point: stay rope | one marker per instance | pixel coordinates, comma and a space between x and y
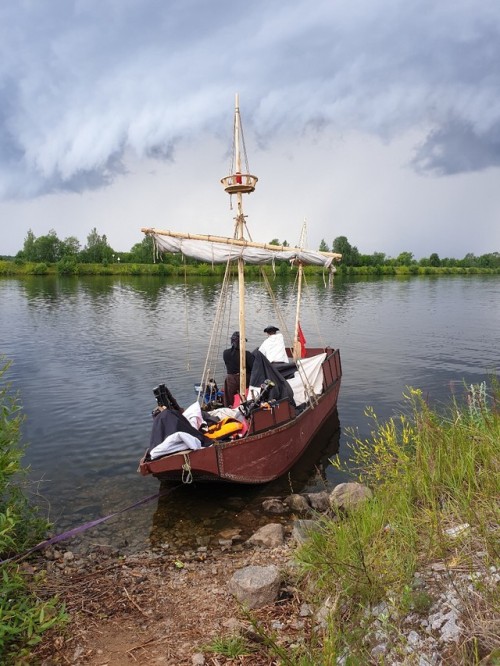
222, 315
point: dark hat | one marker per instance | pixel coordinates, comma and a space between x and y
236, 337
271, 329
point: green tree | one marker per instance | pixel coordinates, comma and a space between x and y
323, 247
47, 249
378, 259
70, 247
434, 260
97, 249
350, 253
491, 260
405, 259
28, 250
143, 252
469, 261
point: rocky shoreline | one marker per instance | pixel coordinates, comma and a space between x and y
166, 608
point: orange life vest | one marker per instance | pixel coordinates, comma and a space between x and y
223, 428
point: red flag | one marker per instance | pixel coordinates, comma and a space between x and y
302, 341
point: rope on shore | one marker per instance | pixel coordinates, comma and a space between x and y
69, 534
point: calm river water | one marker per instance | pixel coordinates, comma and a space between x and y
87, 353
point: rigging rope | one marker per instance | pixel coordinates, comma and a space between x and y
308, 388
221, 316
186, 318
313, 312
187, 475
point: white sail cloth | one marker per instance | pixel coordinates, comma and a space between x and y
214, 252
177, 441
307, 380
308, 369
181, 441
274, 349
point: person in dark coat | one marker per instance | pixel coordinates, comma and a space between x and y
231, 358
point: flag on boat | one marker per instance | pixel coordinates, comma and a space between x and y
302, 341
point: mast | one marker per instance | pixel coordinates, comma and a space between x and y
296, 343
240, 183
240, 220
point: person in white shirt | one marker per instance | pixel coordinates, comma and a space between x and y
273, 346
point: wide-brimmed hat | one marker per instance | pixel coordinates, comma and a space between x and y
271, 329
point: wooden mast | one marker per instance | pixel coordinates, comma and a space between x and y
296, 344
240, 220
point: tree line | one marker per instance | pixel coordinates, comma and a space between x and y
352, 257
67, 253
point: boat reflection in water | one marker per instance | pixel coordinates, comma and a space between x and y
192, 515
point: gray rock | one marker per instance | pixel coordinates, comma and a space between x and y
457, 530
302, 529
450, 631
305, 610
274, 505
349, 495
379, 651
319, 501
255, 586
298, 503
198, 659
324, 613
413, 639
270, 536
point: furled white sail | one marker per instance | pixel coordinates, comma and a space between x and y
214, 249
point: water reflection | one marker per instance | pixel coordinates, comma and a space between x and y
87, 352
188, 516
47, 289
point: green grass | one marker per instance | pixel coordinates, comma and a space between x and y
231, 646
429, 472
24, 616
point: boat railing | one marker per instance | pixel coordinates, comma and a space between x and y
332, 367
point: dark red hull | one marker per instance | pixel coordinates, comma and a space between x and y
277, 439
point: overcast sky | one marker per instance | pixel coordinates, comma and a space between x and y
378, 120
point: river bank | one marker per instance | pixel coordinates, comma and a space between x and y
176, 608
408, 575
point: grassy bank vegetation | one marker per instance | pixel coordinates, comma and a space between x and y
436, 483
23, 615
68, 267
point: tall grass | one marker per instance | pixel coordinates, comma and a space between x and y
430, 473
23, 615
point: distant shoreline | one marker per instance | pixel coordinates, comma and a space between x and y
13, 268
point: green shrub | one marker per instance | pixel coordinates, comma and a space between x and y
430, 471
41, 269
67, 266
23, 615
7, 268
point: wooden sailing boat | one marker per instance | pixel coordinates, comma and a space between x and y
275, 432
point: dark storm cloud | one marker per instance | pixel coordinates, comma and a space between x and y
457, 148
84, 81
